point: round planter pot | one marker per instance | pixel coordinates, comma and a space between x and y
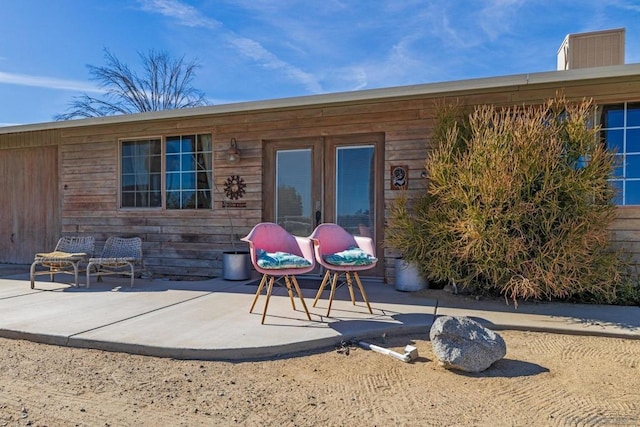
408, 277
236, 265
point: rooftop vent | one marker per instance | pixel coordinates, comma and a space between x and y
595, 49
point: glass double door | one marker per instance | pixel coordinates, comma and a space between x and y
326, 179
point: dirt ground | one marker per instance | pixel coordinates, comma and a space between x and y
545, 379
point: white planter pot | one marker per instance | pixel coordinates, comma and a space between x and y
408, 277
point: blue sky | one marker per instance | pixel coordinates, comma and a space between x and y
264, 49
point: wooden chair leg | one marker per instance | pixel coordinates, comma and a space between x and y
255, 299
287, 282
266, 304
350, 285
322, 286
295, 284
334, 282
364, 294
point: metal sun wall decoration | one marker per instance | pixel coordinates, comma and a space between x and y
234, 187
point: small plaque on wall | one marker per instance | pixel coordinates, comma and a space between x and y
226, 204
399, 177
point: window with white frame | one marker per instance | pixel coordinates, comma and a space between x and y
141, 174
188, 172
620, 130
185, 161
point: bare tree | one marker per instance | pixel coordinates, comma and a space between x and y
165, 85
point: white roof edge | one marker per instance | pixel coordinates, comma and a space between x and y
340, 97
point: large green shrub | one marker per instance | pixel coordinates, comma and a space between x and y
517, 202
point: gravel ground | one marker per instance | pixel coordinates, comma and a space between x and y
545, 379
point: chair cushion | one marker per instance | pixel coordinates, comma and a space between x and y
351, 256
280, 260
59, 255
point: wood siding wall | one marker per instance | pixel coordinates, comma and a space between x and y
190, 242
29, 199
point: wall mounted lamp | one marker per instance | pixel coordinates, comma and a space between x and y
233, 153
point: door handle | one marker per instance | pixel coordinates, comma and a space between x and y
318, 217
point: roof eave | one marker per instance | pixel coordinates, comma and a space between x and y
546, 77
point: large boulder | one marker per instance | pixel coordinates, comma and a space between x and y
464, 344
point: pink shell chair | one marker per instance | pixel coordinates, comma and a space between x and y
272, 238
329, 239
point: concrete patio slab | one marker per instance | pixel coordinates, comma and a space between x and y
211, 320
203, 320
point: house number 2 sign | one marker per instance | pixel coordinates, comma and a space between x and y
399, 177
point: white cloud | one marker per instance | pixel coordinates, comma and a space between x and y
448, 34
252, 49
497, 16
358, 78
345, 79
186, 15
631, 5
47, 82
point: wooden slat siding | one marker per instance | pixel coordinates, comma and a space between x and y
411, 133
197, 253
241, 226
625, 235
627, 212
610, 92
30, 139
84, 188
622, 224
188, 125
29, 202
262, 116
632, 247
625, 232
177, 240
391, 107
314, 123
192, 239
88, 178
400, 149
400, 156
86, 170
